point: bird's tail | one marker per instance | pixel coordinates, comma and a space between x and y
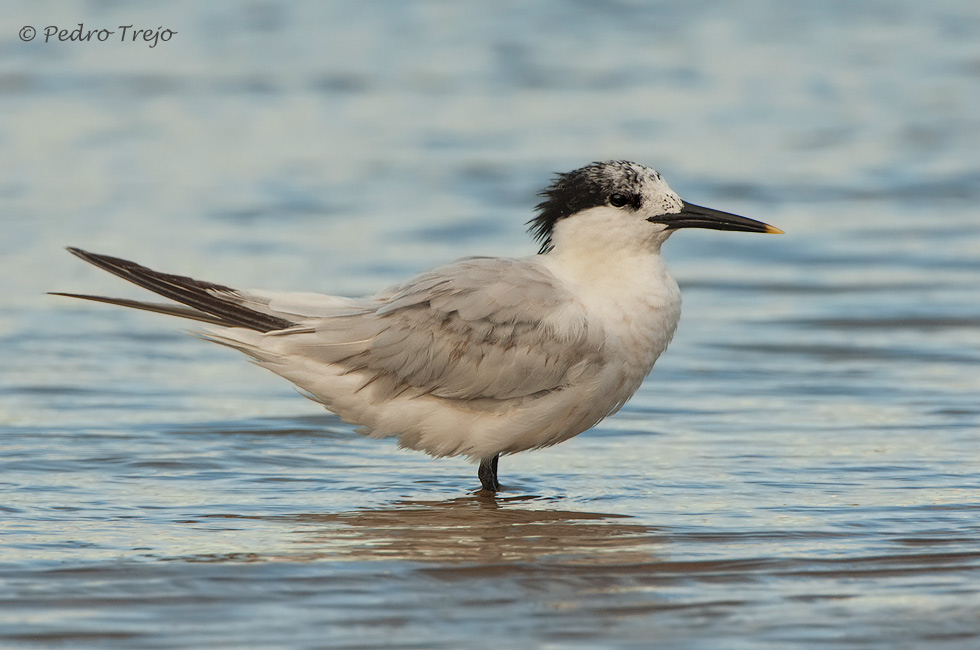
201, 301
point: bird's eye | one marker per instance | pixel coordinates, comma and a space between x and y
618, 200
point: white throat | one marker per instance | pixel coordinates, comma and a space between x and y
620, 280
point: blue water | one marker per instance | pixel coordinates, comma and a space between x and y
800, 471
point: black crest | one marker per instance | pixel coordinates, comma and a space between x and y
581, 189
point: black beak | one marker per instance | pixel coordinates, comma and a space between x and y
696, 216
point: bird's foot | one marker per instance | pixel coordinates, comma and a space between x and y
488, 474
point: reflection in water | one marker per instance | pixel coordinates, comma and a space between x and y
473, 529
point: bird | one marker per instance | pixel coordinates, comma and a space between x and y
484, 356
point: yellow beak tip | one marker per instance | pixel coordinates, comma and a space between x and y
773, 230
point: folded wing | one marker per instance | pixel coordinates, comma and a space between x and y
481, 328
203, 301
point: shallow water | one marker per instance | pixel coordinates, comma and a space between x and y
801, 469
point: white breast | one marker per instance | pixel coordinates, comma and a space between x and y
633, 298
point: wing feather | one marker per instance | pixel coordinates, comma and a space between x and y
480, 328
477, 329
218, 302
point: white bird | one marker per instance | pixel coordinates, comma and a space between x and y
484, 356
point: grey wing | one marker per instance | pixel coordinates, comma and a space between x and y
481, 328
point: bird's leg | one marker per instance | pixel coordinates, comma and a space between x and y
488, 474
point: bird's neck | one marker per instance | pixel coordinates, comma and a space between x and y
630, 297
627, 281
627, 273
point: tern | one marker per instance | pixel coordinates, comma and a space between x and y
484, 356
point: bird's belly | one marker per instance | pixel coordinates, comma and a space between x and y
484, 428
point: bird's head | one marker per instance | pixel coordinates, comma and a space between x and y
623, 205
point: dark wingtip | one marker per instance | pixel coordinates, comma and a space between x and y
198, 295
